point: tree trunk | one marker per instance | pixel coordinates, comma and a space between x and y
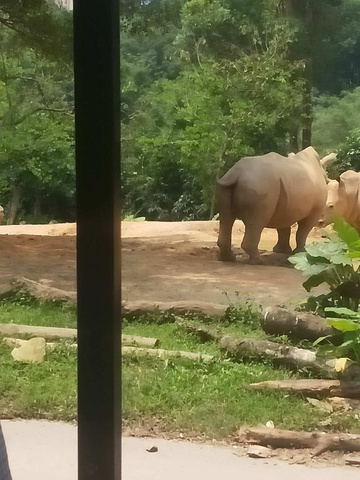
15, 203
312, 387
307, 106
294, 134
213, 205
37, 204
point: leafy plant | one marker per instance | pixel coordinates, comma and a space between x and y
333, 262
348, 323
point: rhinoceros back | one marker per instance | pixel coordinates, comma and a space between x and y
232, 176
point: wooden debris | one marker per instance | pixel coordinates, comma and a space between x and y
319, 441
259, 451
160, 353
279, 321
137, 341
321, 405
313, 387
204, 333
344, 404
351, 459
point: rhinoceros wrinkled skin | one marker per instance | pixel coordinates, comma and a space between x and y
272, 191
343, 200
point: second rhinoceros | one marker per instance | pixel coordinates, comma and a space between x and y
343, 200
272, 191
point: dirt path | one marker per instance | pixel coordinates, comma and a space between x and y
161, 261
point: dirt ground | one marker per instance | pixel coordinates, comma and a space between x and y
161, 261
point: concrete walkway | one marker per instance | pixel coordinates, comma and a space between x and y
40, 450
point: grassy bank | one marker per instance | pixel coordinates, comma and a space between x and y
170, 395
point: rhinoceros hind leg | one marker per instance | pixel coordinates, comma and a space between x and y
283, 244
250, 244
224, 239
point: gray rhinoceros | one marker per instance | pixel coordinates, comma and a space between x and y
343, 200
275, 192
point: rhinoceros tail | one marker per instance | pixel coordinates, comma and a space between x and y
229, 179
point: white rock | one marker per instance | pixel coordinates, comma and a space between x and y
31, 351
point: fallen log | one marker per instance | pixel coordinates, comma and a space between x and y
136, 341
319, 441
69, 333
280, 354
279, 321
239, 349
49, 333
138, 308
312, 387
42, 292
160, 353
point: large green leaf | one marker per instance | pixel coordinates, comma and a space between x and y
343, 324
325, 249
348, 235
343, 311
301, 262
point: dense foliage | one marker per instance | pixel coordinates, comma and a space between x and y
203, 83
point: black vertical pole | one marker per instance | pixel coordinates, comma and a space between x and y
97, 108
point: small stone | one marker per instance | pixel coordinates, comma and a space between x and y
152, 449
258, 451
31, 351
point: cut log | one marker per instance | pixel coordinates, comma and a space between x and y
160, 353
138, 308
49, 333
312, 387
319, 441
279, 321
247, 348
42, 292
239, 349
137, 341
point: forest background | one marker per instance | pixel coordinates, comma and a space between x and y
203, 83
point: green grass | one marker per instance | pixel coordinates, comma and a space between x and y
175, 395
37, 314
45, 390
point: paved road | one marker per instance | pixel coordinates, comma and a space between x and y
40, 450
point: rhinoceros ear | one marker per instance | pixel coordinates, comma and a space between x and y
328, 160
291, 154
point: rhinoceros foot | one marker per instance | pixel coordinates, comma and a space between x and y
282, 249
298, 250
256, 260
226, 257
